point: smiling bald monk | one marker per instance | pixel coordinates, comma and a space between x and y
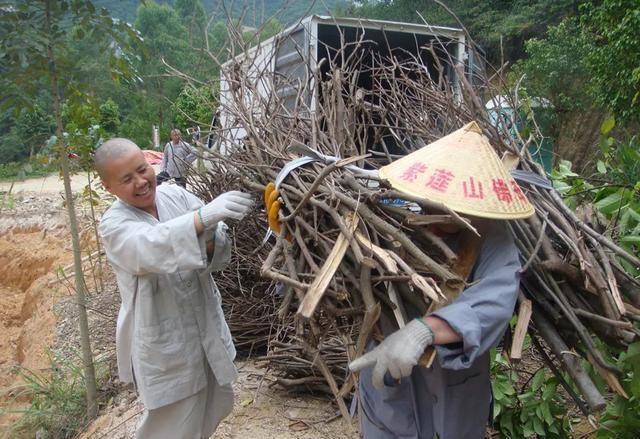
172, 340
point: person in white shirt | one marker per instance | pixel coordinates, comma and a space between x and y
172, 340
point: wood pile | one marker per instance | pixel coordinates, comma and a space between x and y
249, 301
351, 247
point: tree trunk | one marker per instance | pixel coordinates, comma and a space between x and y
87, 356
94, 223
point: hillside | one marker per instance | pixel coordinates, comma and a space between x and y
255, 11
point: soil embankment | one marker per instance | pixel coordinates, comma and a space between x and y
33, 244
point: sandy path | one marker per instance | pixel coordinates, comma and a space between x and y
49, 184
44, 185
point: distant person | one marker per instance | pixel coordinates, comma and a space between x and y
194, 132
178, 155
172, 340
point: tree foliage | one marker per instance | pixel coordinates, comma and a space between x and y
194, 106
614, 27
555, 67
500, 26
35, 46
254, 12
86, 43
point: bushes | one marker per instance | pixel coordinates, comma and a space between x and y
20, 171
58, 401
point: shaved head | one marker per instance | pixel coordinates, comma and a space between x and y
110, 150
125, 173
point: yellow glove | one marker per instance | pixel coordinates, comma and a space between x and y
272, 207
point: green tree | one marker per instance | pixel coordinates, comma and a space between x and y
110, 117
34, 126
556, 67
270, 28
614, 26
166, 39
193, 17
34, 50
24, 135
194, 106
499, 26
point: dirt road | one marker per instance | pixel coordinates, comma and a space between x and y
43, 185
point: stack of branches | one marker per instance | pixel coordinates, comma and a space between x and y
348, 251
248, 300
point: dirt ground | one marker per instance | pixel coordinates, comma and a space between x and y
259, 411
38, 318
33, 244
50, 184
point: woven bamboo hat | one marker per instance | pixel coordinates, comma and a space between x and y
462, 171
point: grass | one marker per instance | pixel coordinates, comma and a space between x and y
58, 400
20, 171
6, 200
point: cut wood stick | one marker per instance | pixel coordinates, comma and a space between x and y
524, 316
432, 205
611, 280
316, 290
581, 378
365, 283
430, 289
398, 311
408, 244
368, 322
598, 318
319, 361
380, 254
595, 235
414, 219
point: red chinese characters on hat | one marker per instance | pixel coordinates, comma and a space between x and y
501, 190
472, 189
440, 180
412, 172
515, 187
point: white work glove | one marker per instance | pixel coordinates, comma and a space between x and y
230, 205
398, 353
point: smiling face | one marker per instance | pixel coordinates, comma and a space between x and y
129, 177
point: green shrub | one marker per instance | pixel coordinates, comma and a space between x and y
621, 418
614, 190
534, 410
58, 400
20, 171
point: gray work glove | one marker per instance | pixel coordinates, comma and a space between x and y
398, 353
230, 205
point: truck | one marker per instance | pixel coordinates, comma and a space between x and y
299, 55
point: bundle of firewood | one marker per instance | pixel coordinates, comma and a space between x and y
249, 301
349, 247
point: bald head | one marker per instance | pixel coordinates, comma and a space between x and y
110, 150
125, 173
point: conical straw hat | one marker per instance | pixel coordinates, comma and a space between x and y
462, 171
